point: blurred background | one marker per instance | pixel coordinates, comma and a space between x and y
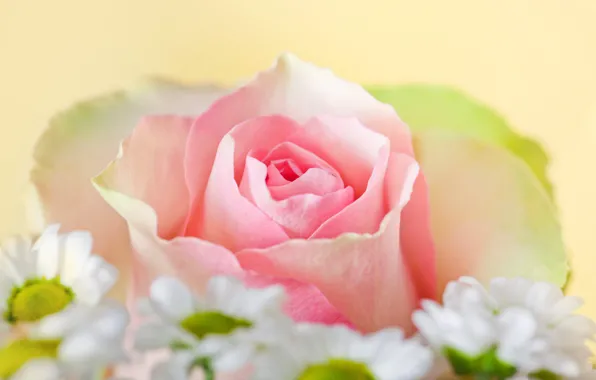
532, 60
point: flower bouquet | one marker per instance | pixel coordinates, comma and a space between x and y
293, 228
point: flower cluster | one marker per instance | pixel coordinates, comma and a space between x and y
58, 324
517, 327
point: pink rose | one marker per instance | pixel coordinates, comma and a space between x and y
298, 178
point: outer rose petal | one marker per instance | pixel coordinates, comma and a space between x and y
362, 275
81, 141
417, 242
193, 260
150, 168
491, 217
298, 90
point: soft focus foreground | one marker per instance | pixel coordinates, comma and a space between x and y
517, 328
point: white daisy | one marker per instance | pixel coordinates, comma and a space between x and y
337, 352
78, 341
227, 325
518, 325
39, 280
546, 301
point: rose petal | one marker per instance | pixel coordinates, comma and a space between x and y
305, 302
151, 164
346, 144
192, 260
417, 241
315, 181
362, 275
302, 157
298, 90
366, 213
81, 141
230, 219
258, 134
490, 215
318, 176
274, 177
299, 215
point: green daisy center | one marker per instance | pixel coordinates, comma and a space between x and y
212, 322
19, 352
337, 369
36, 299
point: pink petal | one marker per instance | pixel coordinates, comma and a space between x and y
288, 169
315, 181
299, 215
261, 134
319, 177
305, 302
258, 134
232, 220
417, 241
298, 90
363, 275
303, 158
193, 260
274, 177
151, 169
365, 214
345, 144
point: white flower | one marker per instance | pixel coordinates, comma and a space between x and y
546, 301
470, 333
78, 341
39, 280
228, 324
337, 352
523, 325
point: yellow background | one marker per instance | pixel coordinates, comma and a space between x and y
535, 61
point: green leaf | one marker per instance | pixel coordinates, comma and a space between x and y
431, 107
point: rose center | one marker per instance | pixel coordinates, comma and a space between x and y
336, 369
212, 322
288, 169
37, 299
17, 353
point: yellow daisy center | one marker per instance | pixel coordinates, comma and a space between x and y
212, 322
336, 369
36, 299
17, 353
